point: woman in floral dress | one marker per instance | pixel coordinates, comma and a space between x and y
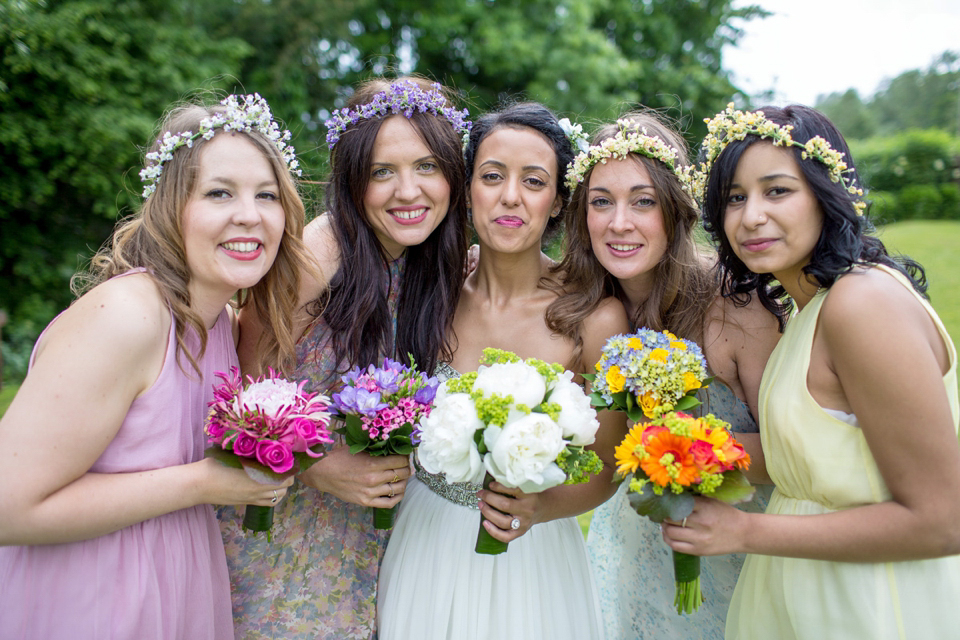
391, 250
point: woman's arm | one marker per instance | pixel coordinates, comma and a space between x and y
567, 500
887, 361
737, 343
322, 247
101, 354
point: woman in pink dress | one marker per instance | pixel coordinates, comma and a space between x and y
105, 513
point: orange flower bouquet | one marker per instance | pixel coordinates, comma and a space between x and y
671, 459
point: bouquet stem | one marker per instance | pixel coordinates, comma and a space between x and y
686, 572
257, 518
486, 543
383, 518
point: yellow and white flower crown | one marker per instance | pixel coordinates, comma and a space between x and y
730, 125
627, 140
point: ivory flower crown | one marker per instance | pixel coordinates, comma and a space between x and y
243, 113
730, 125
403, 97
627, 140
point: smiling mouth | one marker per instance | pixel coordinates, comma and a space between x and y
409, 215
241, 247
624, 247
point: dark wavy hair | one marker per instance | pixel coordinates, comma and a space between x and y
527, 115
844, 241
685, 285
355, 304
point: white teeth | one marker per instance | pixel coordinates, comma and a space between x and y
242, 247
409, 215
624, 247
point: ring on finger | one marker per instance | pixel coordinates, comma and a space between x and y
390, 484
396, 477
275, 497
515, 523
684, 523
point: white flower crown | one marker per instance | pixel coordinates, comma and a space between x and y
403, 97
252, 113
627, 140
730, 125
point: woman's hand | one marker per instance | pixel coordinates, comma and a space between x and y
228, 485
370, 481
714, 528
503, 507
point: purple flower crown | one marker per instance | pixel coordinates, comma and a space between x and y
404, 97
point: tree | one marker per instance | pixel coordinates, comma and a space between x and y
82, 85
849, 113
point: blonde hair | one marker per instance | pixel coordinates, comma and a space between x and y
153, 239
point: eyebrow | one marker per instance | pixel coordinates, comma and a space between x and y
417, 161
636, 187
769, 178
529, 167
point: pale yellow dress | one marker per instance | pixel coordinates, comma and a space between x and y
820, 462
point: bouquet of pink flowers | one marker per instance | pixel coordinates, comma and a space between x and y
380, 407
271, 428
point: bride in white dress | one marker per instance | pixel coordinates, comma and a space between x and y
432, 584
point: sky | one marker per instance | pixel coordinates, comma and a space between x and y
812, 47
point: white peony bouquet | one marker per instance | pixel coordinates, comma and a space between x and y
524, 424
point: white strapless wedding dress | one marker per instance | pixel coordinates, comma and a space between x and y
434, 586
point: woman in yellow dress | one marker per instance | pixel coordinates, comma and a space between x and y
858, 402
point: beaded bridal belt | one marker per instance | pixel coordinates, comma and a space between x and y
461, 493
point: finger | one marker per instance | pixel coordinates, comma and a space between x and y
497, 518
503, 504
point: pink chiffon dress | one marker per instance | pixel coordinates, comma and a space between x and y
159, 579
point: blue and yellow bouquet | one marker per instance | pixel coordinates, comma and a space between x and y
648, 373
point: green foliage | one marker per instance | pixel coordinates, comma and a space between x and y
81, 86
82, 83
920, 202
926, 156
916, 99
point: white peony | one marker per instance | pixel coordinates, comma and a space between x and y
270, 396
446, 439
517, 379
523, 453
577, 418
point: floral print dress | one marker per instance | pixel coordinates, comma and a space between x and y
317, 578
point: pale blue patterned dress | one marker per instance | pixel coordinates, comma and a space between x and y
633, 567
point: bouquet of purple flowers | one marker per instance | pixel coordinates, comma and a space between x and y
271, 428
380, 407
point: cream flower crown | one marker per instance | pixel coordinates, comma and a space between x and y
730, 125
252, 113
403, 97
618, 147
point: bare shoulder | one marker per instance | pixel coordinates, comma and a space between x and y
116, 331
609, 318
869, 298
319, 238
128, 312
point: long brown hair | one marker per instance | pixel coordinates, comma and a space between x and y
153, 239
684, 284
355, 304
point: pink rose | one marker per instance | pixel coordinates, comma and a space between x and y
245, 445
276, 455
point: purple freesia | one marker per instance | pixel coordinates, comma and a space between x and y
358, 400
426, 394
387, 380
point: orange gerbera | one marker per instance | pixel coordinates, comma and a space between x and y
670, 460
626, 452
